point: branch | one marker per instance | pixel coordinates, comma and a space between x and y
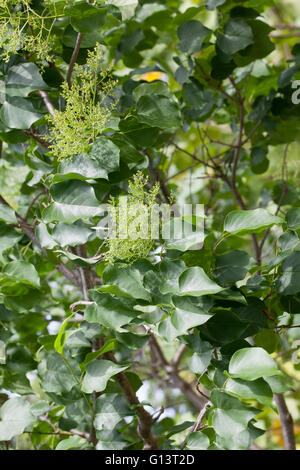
145, 419
37, 137
31, 235
209, 80
197, 401
32, 203
159, 179
80, 302
74, 58
178, 355
47, 102
197, 424
286, 420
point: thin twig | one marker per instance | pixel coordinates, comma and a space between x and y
32, 203
74, 58
197, 424
47, 102
80, 302
286, 420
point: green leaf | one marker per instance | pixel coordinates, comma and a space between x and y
73, 442
110, 311
279, 384
154, 88
103, 159
212, 4
224, 328
44, 237
189, 312
251, 364
293, 218
256, 390
24, 78
289, 281
55, 374
85, 18
79, 260
2, 352
73, 200
231, 419
232, 266
7, 214
98, 374
158, 111
259, 162
237, 35
18, 113
239, 222
110, 410
71, 235
22, 271
127, 280
15, 416
195, 282
126, 7
8, 237
197, 441
108, 346
192, 34
183, 238
60, 339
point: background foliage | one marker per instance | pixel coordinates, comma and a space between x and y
180, 348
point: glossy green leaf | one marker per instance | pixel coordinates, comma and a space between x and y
22, 271
73, 200
60, 339
251, 364
293, 218
102, 160
7, 214
15, 416
197, 441
289, 281
232, 266
98, 374
24, 78
158, 111
18, 113
110, 311
110, 410
191, 35
126, 280
240, 222
194, 281
256, 390
73, 442
237, 35
71, 235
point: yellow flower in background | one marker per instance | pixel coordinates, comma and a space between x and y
151, 76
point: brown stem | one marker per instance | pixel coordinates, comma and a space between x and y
74, 58
210, 81
31, 235
144, 418
197, 424
286, 420
47, 102
197, 401
32, 203
37, 137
